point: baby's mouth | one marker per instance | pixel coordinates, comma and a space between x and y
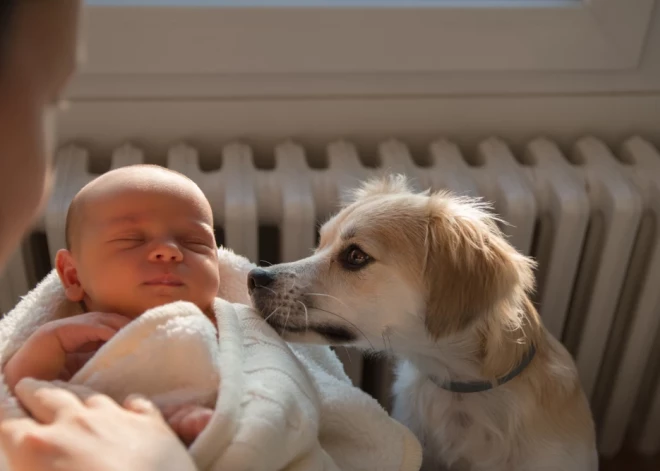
165, 280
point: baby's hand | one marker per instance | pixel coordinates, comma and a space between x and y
59, 344
188, 421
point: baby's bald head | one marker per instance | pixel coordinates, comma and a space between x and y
135, 178
139, 237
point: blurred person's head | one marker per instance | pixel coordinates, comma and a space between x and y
38, 43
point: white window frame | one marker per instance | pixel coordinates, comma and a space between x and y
161, 74
334, 36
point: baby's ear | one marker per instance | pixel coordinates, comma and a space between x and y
68, 273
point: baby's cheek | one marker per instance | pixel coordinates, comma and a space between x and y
120, 294
204, 294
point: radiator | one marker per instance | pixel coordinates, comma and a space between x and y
588, 214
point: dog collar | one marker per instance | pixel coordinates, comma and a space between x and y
480, 386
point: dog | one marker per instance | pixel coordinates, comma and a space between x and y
431, 279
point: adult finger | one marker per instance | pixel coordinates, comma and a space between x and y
26, 445
82, 392
13, 433
99, 400
44, 401
140, 404
87, 396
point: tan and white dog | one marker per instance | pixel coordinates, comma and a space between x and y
431, 279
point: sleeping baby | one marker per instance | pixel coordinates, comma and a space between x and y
137, 237
142, 301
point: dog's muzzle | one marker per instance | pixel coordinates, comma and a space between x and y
279, 300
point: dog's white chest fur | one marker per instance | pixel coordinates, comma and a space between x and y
457, 434
477, 432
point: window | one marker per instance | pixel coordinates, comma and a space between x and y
218, 70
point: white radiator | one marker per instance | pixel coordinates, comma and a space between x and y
590, 217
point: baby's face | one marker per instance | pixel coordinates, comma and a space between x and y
145, 247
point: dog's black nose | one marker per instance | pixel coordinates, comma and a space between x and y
259, 278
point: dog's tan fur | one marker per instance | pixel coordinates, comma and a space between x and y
448, 295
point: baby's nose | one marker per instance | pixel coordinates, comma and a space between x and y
166, 253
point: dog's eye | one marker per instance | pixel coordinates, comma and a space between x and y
354, 258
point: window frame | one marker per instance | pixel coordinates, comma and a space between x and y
221, 38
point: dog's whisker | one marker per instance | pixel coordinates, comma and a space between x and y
347, 321
271, 314
306, 314
348, 354
329, 296
266, 262
387, 343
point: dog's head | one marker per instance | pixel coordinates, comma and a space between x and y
394, 270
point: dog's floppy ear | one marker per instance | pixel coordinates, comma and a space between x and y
391, 184
470, 267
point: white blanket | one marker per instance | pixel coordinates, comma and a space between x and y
276, 406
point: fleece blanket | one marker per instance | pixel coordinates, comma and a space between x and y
276, 406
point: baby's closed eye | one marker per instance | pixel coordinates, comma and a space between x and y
128, 240
201, 242
195, 242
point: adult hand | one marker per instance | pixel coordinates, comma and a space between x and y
88, 431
